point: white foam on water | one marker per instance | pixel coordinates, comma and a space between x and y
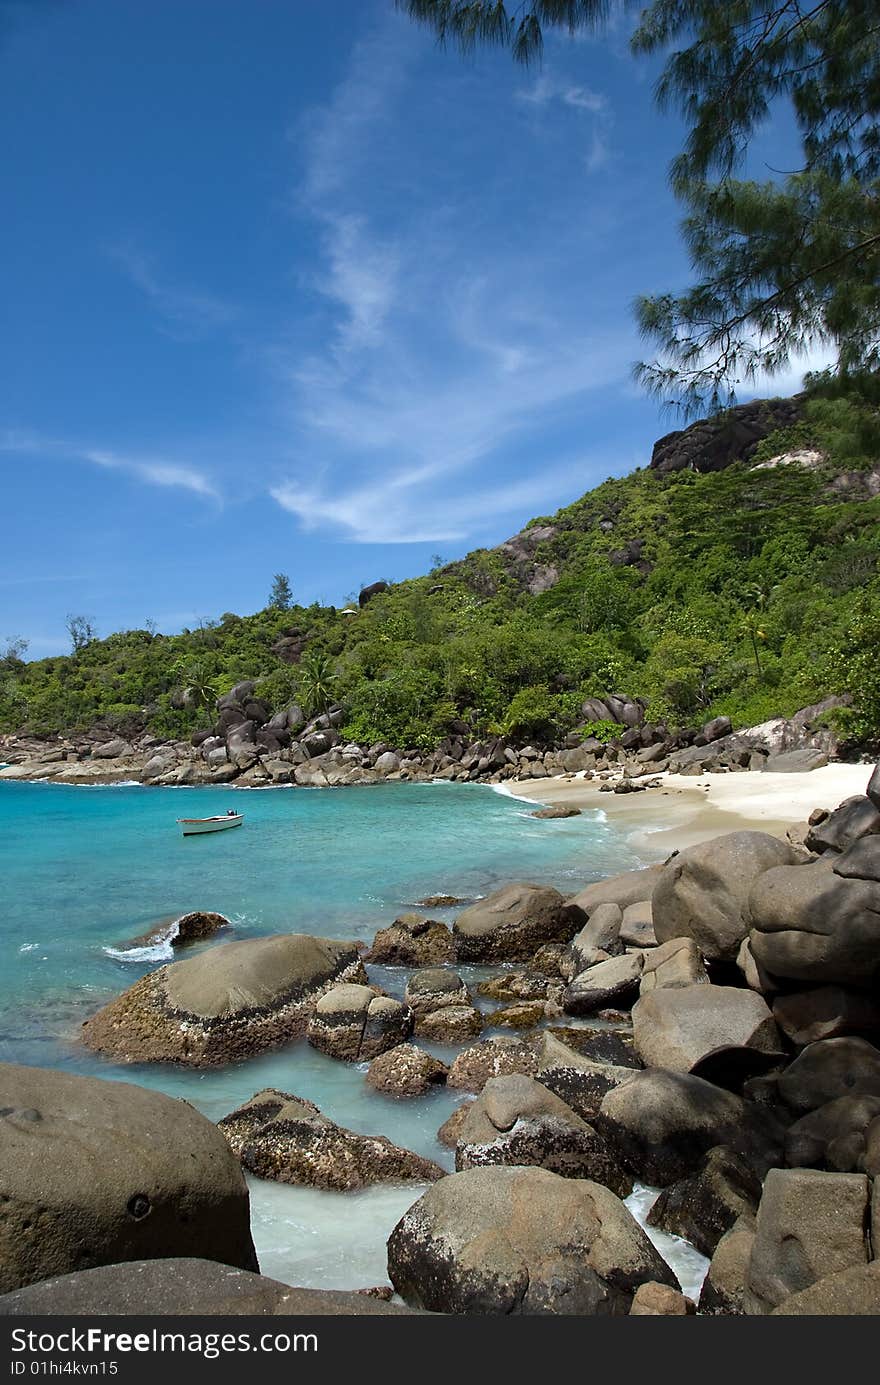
159, 950
119, 784
326, 1240
29, 947
686, 1263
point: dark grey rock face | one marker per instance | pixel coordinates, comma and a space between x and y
183, 1287
95, 1172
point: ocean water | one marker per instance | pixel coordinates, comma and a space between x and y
87, 870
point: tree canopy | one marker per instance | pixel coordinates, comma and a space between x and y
281, 594
778, 265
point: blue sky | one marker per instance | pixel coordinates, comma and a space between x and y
288, 288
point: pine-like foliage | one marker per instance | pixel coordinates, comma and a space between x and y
778, 266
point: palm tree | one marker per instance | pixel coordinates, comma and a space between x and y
198, 689
756, 596
316, 680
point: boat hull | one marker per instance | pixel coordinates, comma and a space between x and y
196, 827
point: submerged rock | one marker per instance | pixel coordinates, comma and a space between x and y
412, 941
97, 1172
188, 928
406, 1071
494, 1057
441, 1005
224, 1005
286, 1138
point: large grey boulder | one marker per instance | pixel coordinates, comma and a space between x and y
825, 1012
612, 983
224, 1005
809, 1225
512, 923
182, 1287
680, 1027
521, 1241
94, 1172
111, 750
283, 1137
598, 940
854, 1292
836, 1136
811, 924
637, 928
674, 964
630, 887
724, 1288
703, 892
861, 861
829, 1069
857, 817
517, 1120
663, 1123
795, 761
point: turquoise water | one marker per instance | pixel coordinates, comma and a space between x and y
86, 870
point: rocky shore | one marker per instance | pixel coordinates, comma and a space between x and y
251, 746
707, 1027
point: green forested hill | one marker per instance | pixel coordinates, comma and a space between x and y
749, 591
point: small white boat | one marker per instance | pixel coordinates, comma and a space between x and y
191, 827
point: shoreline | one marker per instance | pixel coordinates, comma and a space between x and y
693, 809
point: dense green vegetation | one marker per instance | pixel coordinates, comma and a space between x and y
755, 591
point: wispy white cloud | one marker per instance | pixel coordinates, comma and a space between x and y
551, 87
438, 344
153, 471
393, 512
185, 312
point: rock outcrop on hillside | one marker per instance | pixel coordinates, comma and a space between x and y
712, 444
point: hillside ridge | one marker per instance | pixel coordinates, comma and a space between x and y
712, 583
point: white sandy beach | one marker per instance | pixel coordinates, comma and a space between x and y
687, 809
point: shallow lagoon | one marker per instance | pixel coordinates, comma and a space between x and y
85, 870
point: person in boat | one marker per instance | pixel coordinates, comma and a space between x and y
231, 813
